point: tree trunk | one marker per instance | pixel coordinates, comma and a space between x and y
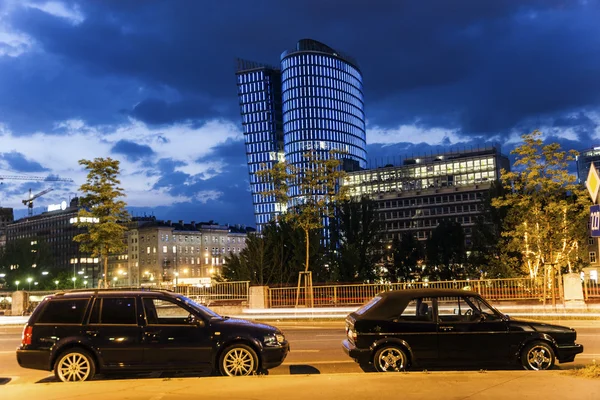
307, 249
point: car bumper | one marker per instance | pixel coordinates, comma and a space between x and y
568, 353
273, 356
34, 359
361, 356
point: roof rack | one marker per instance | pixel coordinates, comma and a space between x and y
117, 289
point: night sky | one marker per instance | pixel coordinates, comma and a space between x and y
152, 84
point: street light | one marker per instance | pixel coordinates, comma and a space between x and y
45, 273
17, 283
74, 279
85, 283
29, 281
56, 283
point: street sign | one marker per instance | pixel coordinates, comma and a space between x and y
595, 220
593, 183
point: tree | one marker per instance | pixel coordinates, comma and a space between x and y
102, 212
487, 255
547, 210
446, 251
407, 253
318, 186
356, 246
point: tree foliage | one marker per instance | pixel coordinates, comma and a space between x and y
318, 186
406, 256
547, 210
356, 241
446, 251
102, 211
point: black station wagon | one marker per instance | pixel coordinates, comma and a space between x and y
400, 329
79, 333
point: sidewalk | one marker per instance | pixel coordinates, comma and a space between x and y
497, 385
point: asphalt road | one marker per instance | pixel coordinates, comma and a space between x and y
315, 349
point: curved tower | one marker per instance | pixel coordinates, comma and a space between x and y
322, 105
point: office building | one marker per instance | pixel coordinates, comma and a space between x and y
415, 196
312, 102
584, 161
6, 217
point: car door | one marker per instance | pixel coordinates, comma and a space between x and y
470, 332
174, 336
416, 326
114, 330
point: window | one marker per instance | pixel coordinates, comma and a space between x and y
63, 312
592, 256
590, 240
118, 311
417, 310
164, 312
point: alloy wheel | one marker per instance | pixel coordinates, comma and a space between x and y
239, 362
539, 358
74, 367
391, 359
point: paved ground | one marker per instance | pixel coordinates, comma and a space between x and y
500, 385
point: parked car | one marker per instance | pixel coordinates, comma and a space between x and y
79, 333
401, 329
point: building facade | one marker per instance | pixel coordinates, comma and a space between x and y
54, 231
584, 161
6, 217
166, 253
417, 195
313, 102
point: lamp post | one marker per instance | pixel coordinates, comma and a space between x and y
74, 279
17, 283
176, 267
56, 283
29, 281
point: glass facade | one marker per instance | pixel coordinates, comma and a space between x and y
417, 195
323, 106
259, 93
584, 160
313, 102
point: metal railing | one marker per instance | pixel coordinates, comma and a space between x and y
591, 289
216, 292
356, 294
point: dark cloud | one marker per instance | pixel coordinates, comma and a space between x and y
484, 69
132, 151
19, 163
157, 111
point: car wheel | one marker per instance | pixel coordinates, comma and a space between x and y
238, 360
538, 356
74, 365
390, 359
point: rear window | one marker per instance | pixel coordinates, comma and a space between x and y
63, 312
368, 305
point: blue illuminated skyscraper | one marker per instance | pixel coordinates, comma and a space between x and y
313, 102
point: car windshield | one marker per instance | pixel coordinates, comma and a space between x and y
199, 307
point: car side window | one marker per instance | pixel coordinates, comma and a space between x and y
115, 311
63, 312
417, 310
454, 309
163, 312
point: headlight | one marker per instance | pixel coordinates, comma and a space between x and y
274, 340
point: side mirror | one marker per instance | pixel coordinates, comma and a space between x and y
194, 320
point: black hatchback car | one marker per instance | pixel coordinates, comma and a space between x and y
79, 333
400, 329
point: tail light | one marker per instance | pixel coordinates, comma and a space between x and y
27, 333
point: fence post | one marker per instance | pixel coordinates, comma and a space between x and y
334, 295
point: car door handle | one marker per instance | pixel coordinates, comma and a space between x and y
446, 328
91, 333
152, 335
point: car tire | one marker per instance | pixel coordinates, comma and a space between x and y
537, 356
390, 359
238, 360
74, 365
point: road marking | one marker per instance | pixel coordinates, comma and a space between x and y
305, 351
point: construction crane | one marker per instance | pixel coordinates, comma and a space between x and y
48, 178
29, 202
